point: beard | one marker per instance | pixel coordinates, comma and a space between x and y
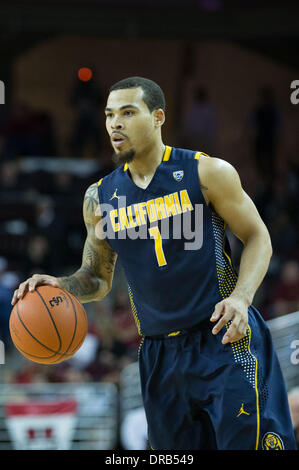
125, 156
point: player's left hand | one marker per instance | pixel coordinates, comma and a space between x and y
232, 309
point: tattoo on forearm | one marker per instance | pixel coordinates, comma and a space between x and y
89, 282
108, 258
93, 280
81, 285
99, 258
91, 257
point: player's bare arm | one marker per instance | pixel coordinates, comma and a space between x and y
223, 192
93, 280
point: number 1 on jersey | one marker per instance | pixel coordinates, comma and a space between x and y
155, 233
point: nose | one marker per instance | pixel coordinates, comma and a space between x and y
116, 124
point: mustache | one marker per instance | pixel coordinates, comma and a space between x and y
119, 133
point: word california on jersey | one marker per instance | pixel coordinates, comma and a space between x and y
171, 245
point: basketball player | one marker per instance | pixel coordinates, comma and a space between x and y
210, 377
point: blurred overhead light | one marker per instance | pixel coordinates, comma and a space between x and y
84, 74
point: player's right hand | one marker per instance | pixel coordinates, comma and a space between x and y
31, 283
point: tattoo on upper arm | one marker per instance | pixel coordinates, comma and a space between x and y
91, 199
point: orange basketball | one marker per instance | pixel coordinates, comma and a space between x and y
48, 325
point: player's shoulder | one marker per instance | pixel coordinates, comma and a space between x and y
219, 178
178, 153
215, 169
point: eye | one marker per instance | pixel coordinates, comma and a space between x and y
128, 113
109, 115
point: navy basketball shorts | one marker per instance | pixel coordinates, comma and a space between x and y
201, 394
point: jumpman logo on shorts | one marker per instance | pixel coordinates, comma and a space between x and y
242, 411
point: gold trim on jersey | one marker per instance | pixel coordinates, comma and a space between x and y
100, 182
256, 394
224, 252
167, 153
227, 279
198, 154
140, 346
243, 356
134, 311
166, 156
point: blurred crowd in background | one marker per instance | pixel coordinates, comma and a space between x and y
42, 229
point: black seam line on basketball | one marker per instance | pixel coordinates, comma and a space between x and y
76, 322
42, 357
59, 338
78, 345
59, 358
39, 342
28, 331
77, 348
84, 314
83, 337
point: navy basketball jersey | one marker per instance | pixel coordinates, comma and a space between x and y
171, 245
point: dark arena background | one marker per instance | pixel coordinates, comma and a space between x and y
230, 71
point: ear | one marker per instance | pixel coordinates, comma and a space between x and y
159, 117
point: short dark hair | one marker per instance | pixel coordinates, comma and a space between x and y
153, 95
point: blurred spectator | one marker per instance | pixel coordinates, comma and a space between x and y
130, 439
10, 180
32, 372
44, 133
284, 236
112, 354
200, 124
47, 219
265, 123
278, 197
53, 225
38, 256
87, 352
44, 213
86, 98
8, 283
27, 132
126, 330
106, 367
74, 375
15, 130
63, 185
286, 293
103, 324
277, 205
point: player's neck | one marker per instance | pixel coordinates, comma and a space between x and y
146, 162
